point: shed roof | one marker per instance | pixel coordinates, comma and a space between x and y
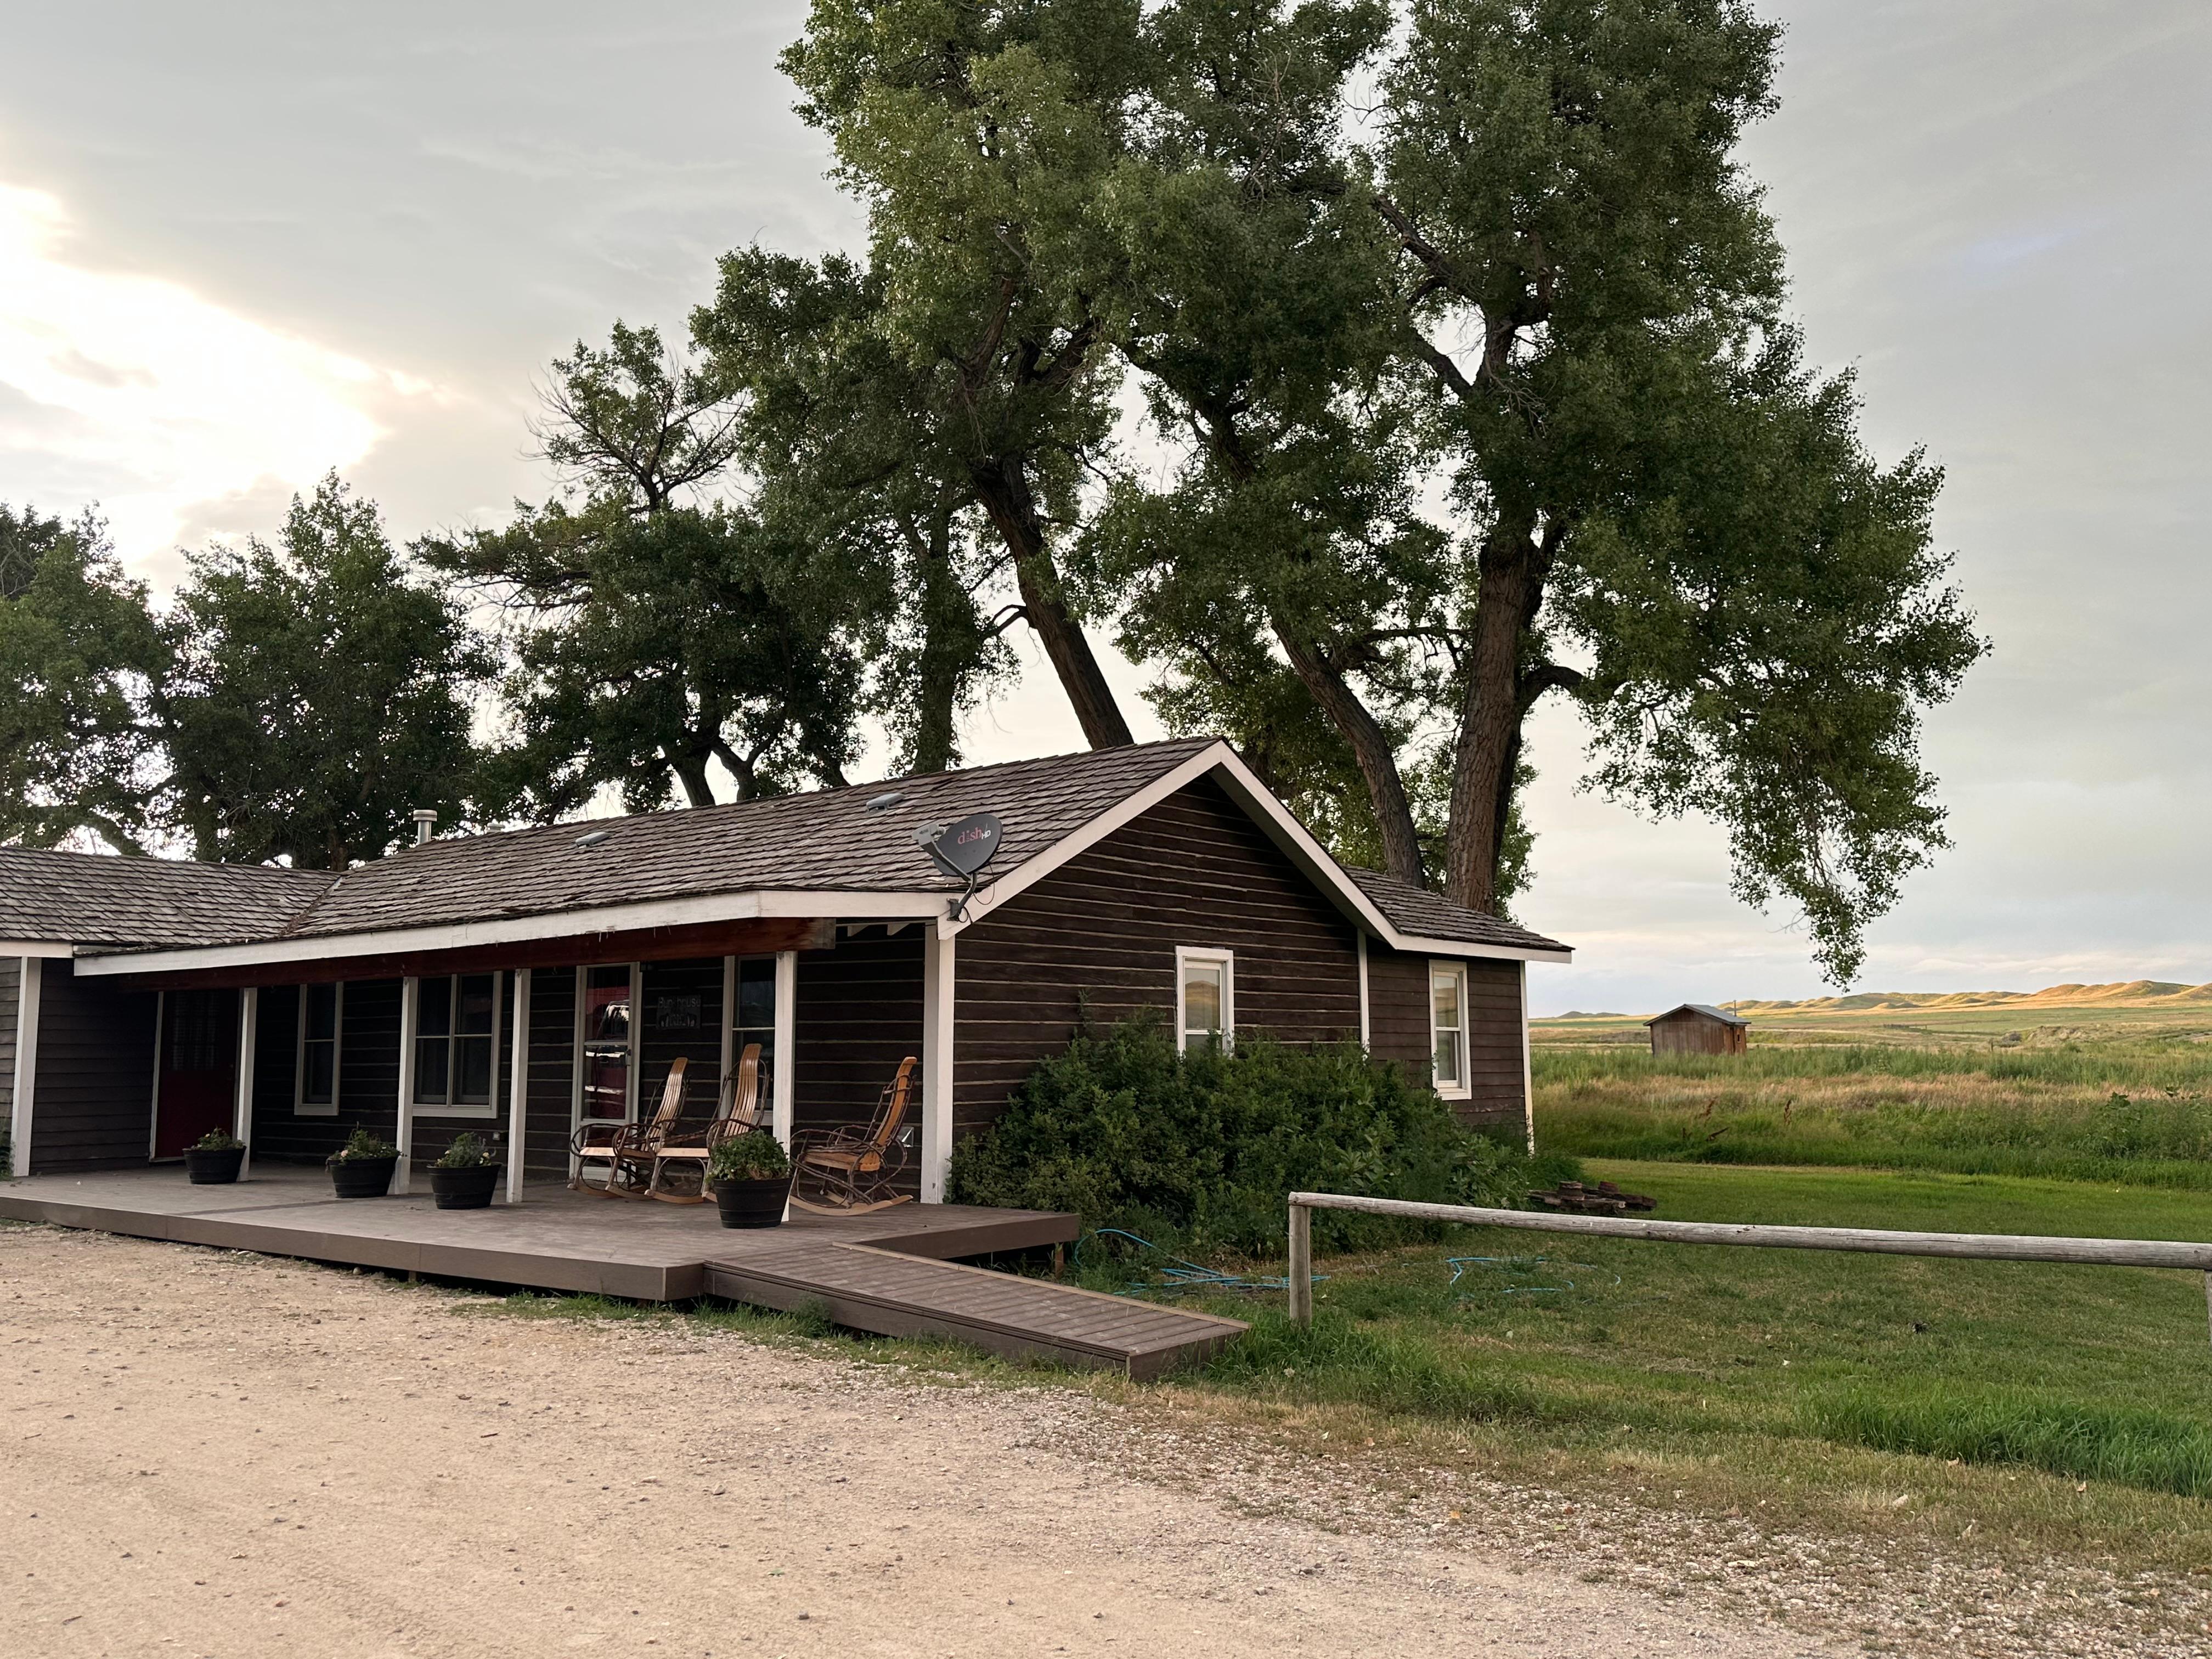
1705, 1008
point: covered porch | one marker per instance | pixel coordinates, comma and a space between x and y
526, 1043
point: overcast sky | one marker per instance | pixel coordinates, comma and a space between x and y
242, 244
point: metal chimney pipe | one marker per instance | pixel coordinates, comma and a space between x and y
426, 820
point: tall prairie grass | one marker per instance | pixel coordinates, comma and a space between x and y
2133, 1113
2129, 1445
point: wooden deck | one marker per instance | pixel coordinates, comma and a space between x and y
889, 1273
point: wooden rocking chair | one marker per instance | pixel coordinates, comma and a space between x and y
740, 1112
850, 1172
627, 1151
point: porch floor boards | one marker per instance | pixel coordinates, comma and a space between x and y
885, 1273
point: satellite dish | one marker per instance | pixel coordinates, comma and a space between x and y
964, 848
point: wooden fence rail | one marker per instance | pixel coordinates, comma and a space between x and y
1986, 1247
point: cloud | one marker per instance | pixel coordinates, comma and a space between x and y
134, 390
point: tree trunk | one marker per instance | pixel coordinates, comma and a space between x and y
1488, 740
1003, 490
1370, 748
946, 613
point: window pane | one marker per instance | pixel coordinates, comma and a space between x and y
475, 1003
432, 1057
322, 1012
1447, 1057
606, 1006
756, 993
1202, 996
317, 1087
474, 1062
1446, 989
606, 1083
434, 1008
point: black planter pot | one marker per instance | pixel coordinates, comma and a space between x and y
465, 1189
213, 1169
363, 1177
752, 1203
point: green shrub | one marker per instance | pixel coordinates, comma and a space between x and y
468, 1152
755, 1155
218, 1140
1200, 1149
362, 1146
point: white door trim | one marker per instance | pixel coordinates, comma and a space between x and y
249, 1025
22, 1103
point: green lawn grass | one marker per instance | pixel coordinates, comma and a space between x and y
1806, 1382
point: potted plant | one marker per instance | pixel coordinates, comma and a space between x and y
464, 1177
750, 1175
214, 1159
362, 1167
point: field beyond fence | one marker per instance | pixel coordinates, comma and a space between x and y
2084, 1095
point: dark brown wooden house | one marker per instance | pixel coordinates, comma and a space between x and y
522, 983
1698, 1028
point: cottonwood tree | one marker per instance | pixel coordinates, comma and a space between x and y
1549, 288
846, 452
977, 136
658, 631
314, 694
78, 652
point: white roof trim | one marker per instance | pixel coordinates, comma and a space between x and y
17, 947
514, 930
1295, 840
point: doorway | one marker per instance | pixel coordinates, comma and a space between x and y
199, 1082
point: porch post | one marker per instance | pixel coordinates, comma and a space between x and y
403, 1130
1364, 1040
518, 1086
249, 1023
27, 1064
1527, 1085
783, 1076
937, 981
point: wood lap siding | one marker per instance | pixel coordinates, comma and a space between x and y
549, 1110
368, 1073
659, 1045
11, 987
92, 1101
1397, 1029
1099, 934
859, 1015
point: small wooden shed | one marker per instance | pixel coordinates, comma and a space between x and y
1698, 1028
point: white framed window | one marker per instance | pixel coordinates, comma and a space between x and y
606, 1072
457, 1045
315, 1076
1205, 998
1448, 1029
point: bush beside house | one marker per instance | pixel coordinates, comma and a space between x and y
1198, 1150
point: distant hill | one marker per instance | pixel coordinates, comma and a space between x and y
2126, 993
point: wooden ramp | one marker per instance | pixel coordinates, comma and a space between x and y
895, 1295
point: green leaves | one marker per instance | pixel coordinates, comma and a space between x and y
316, 694
78, 649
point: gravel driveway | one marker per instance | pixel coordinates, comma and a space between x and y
204, 1453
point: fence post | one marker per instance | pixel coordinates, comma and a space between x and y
1300, 1265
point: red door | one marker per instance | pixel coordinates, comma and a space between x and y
199, 1069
